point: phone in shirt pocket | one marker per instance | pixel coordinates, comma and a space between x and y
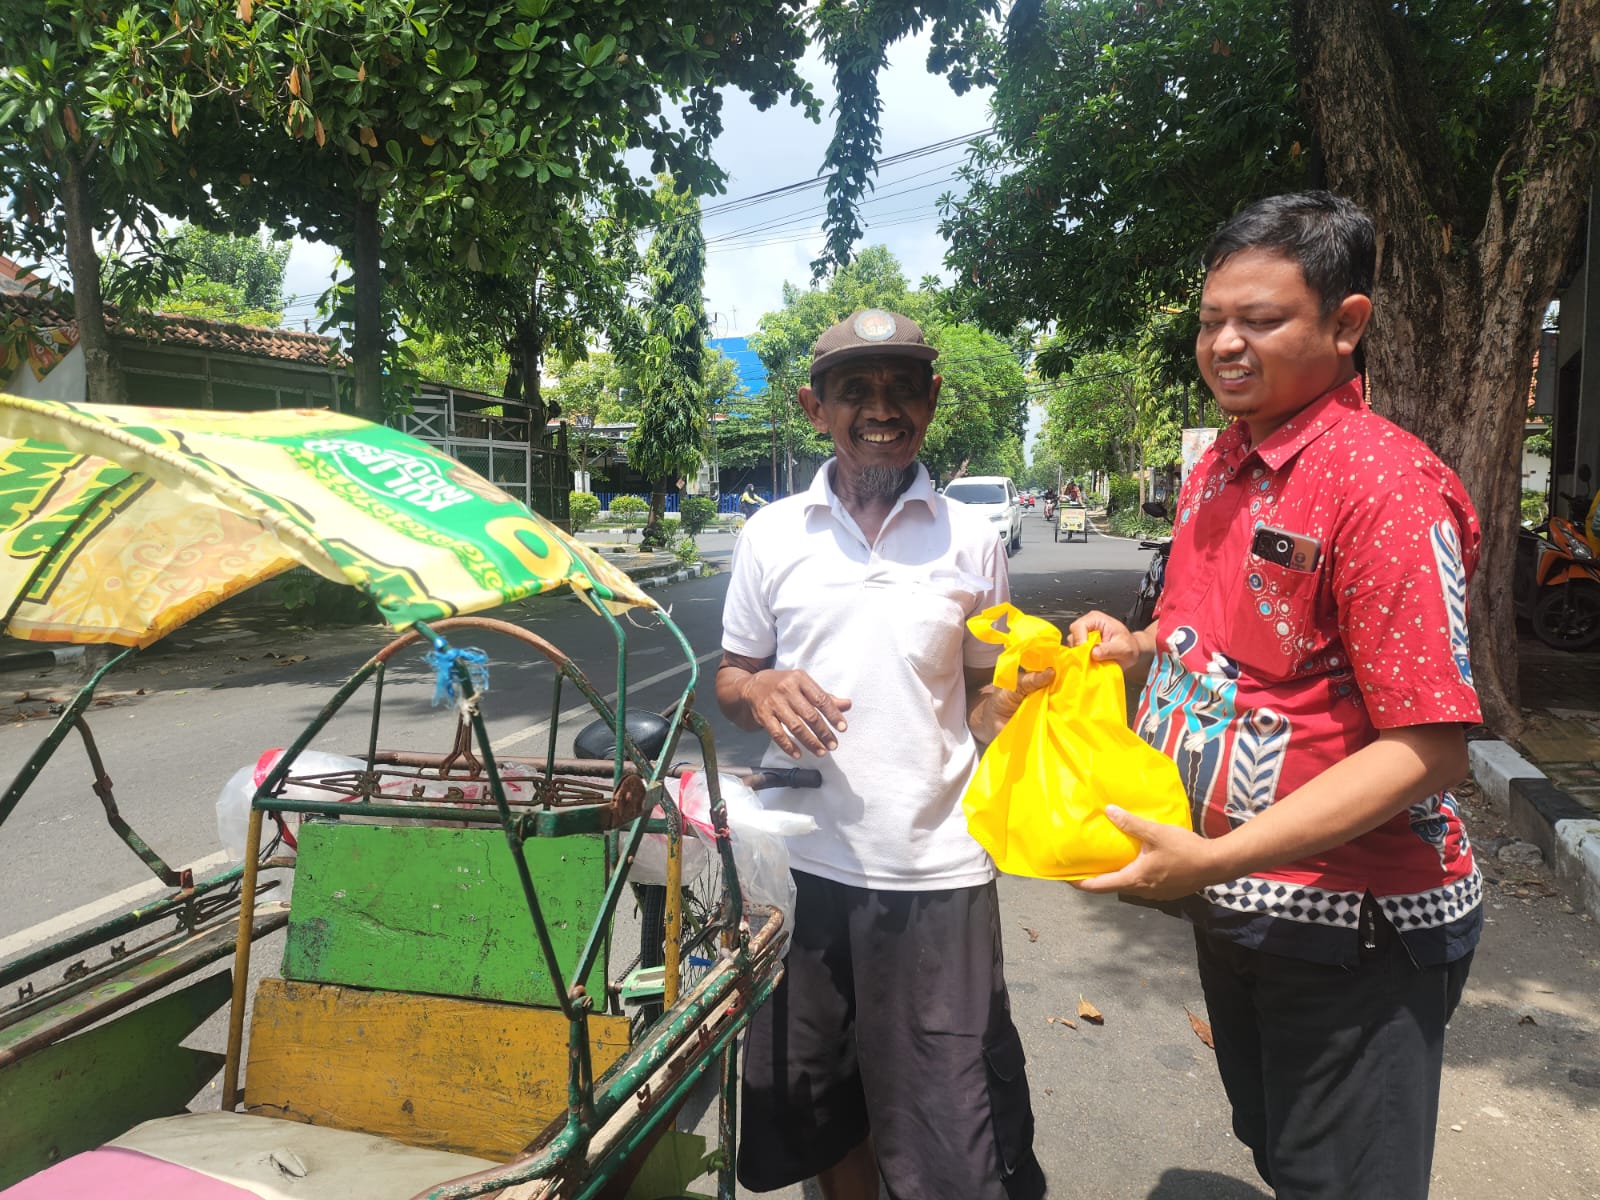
1293, 550
1273, 625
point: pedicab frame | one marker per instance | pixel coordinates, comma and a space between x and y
1071, 519
207, 458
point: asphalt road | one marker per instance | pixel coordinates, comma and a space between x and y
1127, 1110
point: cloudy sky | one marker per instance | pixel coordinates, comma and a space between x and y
752, 251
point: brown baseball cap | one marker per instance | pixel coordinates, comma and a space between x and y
866, 333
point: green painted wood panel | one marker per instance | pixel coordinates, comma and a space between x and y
412, 908
81, 1092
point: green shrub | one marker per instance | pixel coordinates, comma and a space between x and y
688, 553
697, 512
583, 510
1533, 507
629, 508
1124, 494
312, 600
1130, 522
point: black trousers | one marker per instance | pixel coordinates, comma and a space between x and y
892, 1019
1333, 1072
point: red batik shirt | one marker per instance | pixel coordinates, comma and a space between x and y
1268, 674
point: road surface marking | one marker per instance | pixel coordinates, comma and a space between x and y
578, 710
18, 942
56, 926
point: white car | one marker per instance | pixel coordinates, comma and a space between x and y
996, 497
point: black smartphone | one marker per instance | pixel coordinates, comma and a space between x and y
1293, 550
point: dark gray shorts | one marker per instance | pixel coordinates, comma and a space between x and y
892, 1020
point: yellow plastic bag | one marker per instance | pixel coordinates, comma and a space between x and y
1037, 803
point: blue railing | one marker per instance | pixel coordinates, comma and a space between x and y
727, 503
607, 497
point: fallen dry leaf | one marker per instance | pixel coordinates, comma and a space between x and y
1089, 1012
1202, 1030
1061, 1021
287, 659
1033, 934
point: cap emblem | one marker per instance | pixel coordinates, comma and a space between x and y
874, 325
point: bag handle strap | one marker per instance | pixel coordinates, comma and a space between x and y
1028, 643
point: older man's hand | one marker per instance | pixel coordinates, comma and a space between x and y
795, 711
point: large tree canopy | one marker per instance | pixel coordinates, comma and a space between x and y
1126, 131
453, 138
984, 398
1123, 133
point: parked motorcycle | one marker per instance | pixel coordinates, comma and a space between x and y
1556, 585
1155, 575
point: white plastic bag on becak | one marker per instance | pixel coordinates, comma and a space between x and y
760, 838
233, 803
650, 863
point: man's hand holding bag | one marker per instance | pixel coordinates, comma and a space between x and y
1037, 803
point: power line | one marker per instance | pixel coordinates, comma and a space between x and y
816, 181
779, 225
812, 234
813, 210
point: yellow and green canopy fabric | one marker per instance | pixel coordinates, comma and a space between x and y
118, 524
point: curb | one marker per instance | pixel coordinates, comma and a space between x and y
678, 576
36, 658
1538, 811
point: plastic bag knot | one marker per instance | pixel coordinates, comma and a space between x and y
443, 659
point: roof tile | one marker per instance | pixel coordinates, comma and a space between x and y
285, 345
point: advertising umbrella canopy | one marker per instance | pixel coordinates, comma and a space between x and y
119, 524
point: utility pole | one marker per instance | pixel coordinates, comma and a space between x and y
772, 415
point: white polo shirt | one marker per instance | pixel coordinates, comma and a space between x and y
884, 625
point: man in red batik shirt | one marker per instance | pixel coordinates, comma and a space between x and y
1311, 680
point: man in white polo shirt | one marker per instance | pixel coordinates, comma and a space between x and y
889, 1045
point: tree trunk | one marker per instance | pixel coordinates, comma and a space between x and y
527, 352
369, 335
1457, 315
104, 382
654, 534
528, 357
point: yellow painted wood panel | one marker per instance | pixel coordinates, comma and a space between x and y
470, 1076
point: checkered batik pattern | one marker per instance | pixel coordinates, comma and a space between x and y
1274, 898
1441, 906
